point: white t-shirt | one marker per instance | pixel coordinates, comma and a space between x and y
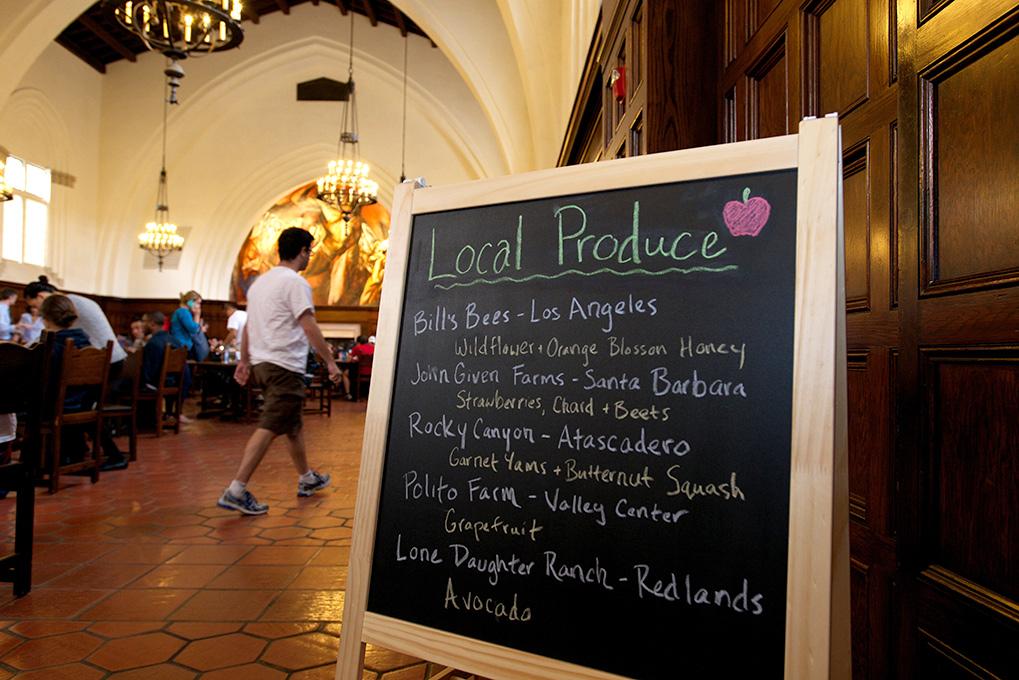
93, 321
276, 300
236, 322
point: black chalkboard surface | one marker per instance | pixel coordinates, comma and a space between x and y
588, 452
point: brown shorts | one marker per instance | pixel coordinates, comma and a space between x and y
283, 392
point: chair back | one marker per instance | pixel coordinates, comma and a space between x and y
133, 371
364, 366
85, 369
174, 361
22, 373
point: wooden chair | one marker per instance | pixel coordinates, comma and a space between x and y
27, 369
127, 410
321, 389
170, 389
363, 378
85, 369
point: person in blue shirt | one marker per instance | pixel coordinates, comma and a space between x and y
8, 297
186, 322
58, 315
155, 346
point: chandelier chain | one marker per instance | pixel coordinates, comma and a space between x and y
346, 185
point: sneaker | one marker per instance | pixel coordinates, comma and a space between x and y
308, 488
246, 504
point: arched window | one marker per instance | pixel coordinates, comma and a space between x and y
25, 219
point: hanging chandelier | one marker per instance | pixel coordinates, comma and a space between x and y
160, 236
5, 190
346, 185
182, 28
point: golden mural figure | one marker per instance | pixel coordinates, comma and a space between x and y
348, 259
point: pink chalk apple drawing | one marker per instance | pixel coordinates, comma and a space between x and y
746, 218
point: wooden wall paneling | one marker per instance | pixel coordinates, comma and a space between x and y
871, 437
734, 30
859, 587
122, 311
837, 34
893, 214
759, 11
928, 8
891, 33
582, 142
958, 387
682, 81
856, 190
970, 141
769, 92
860, 432
971, 527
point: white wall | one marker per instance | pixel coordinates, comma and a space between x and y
53, 119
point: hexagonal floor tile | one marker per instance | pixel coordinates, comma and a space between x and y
220, 652
134, 652
303, 651
54, 650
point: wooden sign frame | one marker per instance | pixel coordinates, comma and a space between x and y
817, 594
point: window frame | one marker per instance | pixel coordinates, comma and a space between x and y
20, 190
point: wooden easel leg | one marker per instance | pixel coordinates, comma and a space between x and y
345, 670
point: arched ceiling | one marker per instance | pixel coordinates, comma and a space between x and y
508, 53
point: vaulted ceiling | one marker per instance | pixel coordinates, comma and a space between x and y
97, 38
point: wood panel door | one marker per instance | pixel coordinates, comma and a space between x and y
795, 58
959, 362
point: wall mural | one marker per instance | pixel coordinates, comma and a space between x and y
348, 260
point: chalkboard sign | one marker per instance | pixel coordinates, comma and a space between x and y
588, 445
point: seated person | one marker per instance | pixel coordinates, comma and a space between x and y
152, 352
136, 340
152, 357
58, 315
362, 348
8, 296
30, 326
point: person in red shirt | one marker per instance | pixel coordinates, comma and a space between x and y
361, 350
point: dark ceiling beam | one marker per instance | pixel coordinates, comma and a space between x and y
342, 6
400, 23
283, 5
81, 54
370, 11
314, 2
120, 48
252, 13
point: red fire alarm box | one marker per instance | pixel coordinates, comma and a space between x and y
617, 80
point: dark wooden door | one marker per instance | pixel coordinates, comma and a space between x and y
927, 92
928, 96
958, 372
790, 59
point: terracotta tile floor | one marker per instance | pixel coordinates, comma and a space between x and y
142, 576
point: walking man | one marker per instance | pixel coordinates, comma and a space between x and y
274, 347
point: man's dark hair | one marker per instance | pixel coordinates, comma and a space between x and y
41, 285
157, 318
292, 241
361, 340
8, 292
